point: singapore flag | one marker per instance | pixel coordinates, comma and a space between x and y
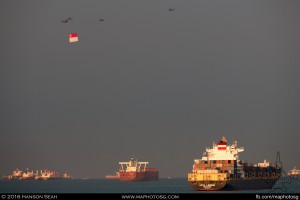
73, 37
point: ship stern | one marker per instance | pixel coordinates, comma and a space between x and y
207, 182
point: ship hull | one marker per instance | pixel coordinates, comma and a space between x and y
49, 178
54, 178
242, 184
26, 178
250, 184
112, 177
295, 176
207, 185
139, 176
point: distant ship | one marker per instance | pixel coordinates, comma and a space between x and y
67, 176
48, 175
117, 176
220, 169
137, 171
30, 175
294, 172
16, 174
20, 175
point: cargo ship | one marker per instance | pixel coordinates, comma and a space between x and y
66, 176
16, 174
51, 175
137, 171
221, 169
20, 175
30, 175
294, 172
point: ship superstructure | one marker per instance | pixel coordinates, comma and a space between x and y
137, 171
220, 168
28, 175
294, 172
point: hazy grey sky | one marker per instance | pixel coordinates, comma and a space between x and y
147, 82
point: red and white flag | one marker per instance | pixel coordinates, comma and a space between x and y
73, 37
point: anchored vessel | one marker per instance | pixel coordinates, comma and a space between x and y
221, 169
16, 174
30, 175
137, 171
294, 172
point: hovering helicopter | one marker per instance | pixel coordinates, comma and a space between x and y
101, 20
171, 9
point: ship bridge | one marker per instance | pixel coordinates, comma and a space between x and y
222, 151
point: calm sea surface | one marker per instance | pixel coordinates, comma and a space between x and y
177, 185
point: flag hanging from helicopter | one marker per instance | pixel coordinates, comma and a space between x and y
73, 37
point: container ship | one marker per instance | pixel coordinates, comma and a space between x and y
221, 169
137, 171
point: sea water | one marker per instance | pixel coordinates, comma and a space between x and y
176, 185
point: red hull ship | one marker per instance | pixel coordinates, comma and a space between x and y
137, 171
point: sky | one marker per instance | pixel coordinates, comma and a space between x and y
147, 82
